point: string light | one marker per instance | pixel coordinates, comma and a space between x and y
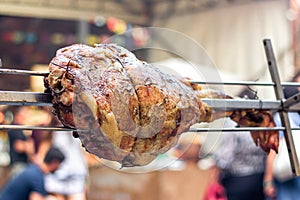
126, 32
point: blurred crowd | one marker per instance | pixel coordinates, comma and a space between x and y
43, 164
244, 171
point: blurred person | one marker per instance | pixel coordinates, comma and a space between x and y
241, 165
42, 139
5, 118
29, 184
290, 91
215, 190
241, 162
283, 186
2, 116
279, 186
20, 150
20, 146
69, 181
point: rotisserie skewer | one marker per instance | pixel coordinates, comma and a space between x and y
280, 105
246, 113
132, 110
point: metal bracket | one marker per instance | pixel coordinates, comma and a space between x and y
283, 113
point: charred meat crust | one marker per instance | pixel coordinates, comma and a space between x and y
139, 110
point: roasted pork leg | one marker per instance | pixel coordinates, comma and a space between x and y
124, 109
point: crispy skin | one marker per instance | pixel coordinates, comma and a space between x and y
132, 111
124, 109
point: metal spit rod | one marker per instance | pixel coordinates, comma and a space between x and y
237, 129
45, 99
23, 72
237, 83
283, 113
246, 83
201, 129
25, 127
25, 98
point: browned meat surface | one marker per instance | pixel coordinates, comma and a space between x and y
128, 110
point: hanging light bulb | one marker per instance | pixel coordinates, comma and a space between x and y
99, 21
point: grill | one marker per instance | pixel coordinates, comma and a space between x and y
282, 105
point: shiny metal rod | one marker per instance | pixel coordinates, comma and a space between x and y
25, 127
246, 83
238, 83
25, 98
237, 104
45, 99
23, 72
238, 129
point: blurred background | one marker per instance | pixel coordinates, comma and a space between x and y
229, 31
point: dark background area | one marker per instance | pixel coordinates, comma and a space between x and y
25, 42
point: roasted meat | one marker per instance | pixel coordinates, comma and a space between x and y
124, 109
